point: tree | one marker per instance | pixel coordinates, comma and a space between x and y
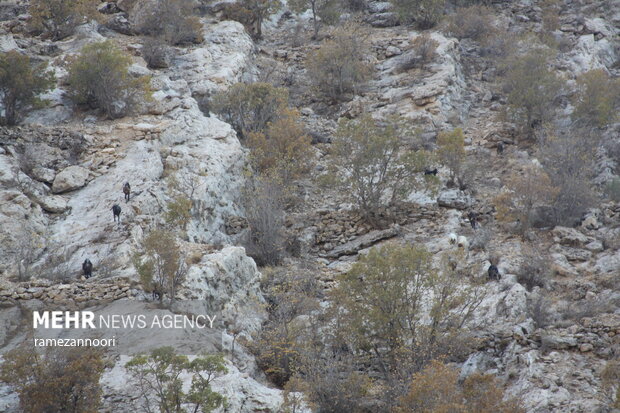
340, 66
21, 83
263, 203
396, 312
284, 150
171, 21
323, 11
158, 377
597, 98
258, 11
61, 380
452, 152
425, 13
436, 389
533, 188
59, 18
371, 165
99, 78
162, 267
249, 107
531, 89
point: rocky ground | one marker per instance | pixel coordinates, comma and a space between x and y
56, 212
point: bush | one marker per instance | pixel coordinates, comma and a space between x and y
99, 78
436, 389
171, 21
538, 310
21, 83
475, 22
323, 11
250, 107
610, 377
61, 380
158, 377
533, 271
451, 151
59, 18
179, 212
339, 66
372, 168
525, 192
283, 150
252, 13
597, 98
161, 265
265, 214
155, 53
398, 312
424, 13
571, 164
423, 52
531, 89
613, 189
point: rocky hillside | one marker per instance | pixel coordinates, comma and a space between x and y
547, 330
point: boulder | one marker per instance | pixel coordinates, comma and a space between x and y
454, 198
379, 7
41, 174
570, 237
69, 179
383, 19
54, 203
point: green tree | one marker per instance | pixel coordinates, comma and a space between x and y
161, 265
259, 10
372, 166
531, 88
339, 66
59, 18
170, 21
323, 11
61, 380
249, 107
424, 13
597, 98
158, 376
452, 152
397, 312
99, 78
21, 83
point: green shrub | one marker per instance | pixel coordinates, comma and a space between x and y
475, 22
171, 21
59, 18
424, 13
372, 167
323, 11
99, 78
60, 380
158, 376
423, 52
21, 83
597, 98
531, 89
249, 107
339, 66
613, 189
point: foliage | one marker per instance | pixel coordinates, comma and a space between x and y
252, 13
59, 18
158, 376
323, 11
99, 78
398, 312
424, 13
475, 22
155, 53
171, 21
21, 83
61, 380
339, 66
613, 189
534, 270
179, 212
597, 98
525, 191
283, 150
610, 376
263, 202
436, 389
161, 266
279, 345
451, 151
570, 162
249, 107
372, 166
423, 52
531, 89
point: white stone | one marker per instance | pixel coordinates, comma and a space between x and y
69, 179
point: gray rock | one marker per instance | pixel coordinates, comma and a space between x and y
454, 198
365, 241
557, 342
383, 20
69, 179
570, 237
43, 174
379, 7
54, 203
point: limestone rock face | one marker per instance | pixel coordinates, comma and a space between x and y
70, 179
454, 199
